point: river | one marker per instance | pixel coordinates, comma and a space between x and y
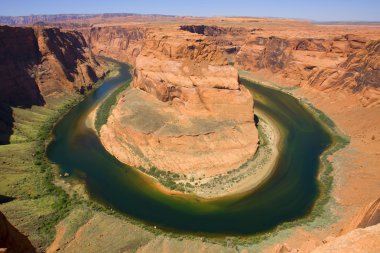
289, 194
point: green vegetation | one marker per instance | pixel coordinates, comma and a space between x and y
104, 110
27, 175
168, 179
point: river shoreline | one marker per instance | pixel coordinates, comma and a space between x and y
255, 170
144, 191
305, 227
261, 165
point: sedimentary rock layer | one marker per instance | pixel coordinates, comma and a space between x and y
344, 62
186, 111
38, 63
118, 42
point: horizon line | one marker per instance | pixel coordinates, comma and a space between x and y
215, 16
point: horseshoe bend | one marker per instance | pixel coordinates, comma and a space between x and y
185, 112
213, 131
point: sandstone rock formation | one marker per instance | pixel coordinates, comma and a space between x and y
38, 63
118, 42
368, 216
186, 111
230, 39
213, 30
19, 53
11, 240
360, 235
358, 240
344, 62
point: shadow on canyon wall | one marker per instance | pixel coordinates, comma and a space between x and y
6, 126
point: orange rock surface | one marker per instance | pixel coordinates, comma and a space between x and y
323, 61
186, 111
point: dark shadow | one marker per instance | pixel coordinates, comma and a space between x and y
6, 125
256, 120
67, 48
5, 199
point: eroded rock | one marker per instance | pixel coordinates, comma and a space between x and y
186, 111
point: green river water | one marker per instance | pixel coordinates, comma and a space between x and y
289, 194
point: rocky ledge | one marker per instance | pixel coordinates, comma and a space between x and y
186, 111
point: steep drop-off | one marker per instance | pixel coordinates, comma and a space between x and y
186, 111
39, 63
345, 62
118, 42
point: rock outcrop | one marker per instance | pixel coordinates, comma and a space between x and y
39, 63
358, 240
186, 111
19, 55
118, 42
230, 39
360, 235
368, 216
213, 30
344, 62
11, 240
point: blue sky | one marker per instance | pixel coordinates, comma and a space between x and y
319, 10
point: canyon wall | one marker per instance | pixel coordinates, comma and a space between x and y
230, 39
118, 42
39, 63
360, 235
346, 62
186, 111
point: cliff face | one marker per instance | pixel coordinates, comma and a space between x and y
11, 240
18, 54
39, 63
186, 111
67, 63
192, 73
368, 216
230, 39
360, 235
213, 30
345, 62
122, 43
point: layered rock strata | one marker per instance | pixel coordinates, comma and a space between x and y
39, 63
345, 62
118, 42
186, 111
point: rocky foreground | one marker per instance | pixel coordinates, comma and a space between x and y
186, 111
11, 240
